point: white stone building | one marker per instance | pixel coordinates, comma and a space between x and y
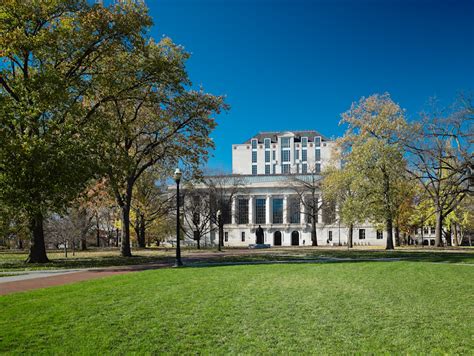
268, 168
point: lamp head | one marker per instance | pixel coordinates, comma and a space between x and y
177, 175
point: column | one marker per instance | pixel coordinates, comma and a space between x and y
285, 209
234, 210
302, 212
320, 210
268, 209
251, 209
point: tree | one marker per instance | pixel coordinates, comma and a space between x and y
439, 150
197, 213
54, 55
156, 126
375, 157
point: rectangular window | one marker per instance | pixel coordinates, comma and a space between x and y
295, 211
317, 141
243, 211
329, 235
254, 144
226, 236
267, 156
304, 155
361, 234
273, 155
317, 167
297, 154
225, 205
433, 231
243, 236
379, 234
329, 213
304, 168
285, 142
254, 170
317, 155
254, 156
285, 155
277, 211
285, 168
304, 142
260, 211
267, 143
425, 231
267, 169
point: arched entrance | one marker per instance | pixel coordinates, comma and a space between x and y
295, 238
277, 238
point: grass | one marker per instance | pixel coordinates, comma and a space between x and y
364, 307
14, 261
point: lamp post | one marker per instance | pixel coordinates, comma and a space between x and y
219, 217
177, 178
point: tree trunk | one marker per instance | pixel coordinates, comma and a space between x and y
389, 225
198, 243
141, 240
83, 243
314, 234
97, 234
125, 250
221, 236
439, 228
37, 249
455, 240
136, 227
397, 236
351, 234
449, 237
20, 244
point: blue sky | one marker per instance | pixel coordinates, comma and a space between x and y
292, 65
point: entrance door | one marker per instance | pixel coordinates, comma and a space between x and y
277, 238
295, 238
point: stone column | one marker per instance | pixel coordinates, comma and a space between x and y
302, 212
234, 210
251, 209
268, 209
285, 209
320, 210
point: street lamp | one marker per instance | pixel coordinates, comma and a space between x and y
219, 223
177, 178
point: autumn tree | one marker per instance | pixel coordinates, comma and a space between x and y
54, 57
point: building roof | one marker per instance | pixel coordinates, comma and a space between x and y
273, 135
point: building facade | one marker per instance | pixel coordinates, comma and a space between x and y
270, 173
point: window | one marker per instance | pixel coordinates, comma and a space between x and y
317, 155
260, 211
285, 168
243, 211
297, 154
361, 234
277, 211
267, 169
317, 167
317, 141
243, 236
285, 155
226, 236
329, 213
304, 142
267, 156
254, 156
267, 143
304, 168
254, 170
294, 211
379, 234
304, 155
273, 155
285, 142
425, 230
433, 230
254, 144
329, 235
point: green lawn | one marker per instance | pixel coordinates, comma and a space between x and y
380, 307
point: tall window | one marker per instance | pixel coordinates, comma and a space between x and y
277, 211
317, 167
304, 168
330, 235
243, 211
304, 142
317, 154
226, 236
297, 154
285, 155
254, 156
260, 208
273, 155
317, 141
285, 150
225, 205
285, 142
254, 169
267, 169
294, 210
267, 156
329, 213
243, 236
285, 168
304, 155
267, 142
379, 234
361, 234
254, 144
